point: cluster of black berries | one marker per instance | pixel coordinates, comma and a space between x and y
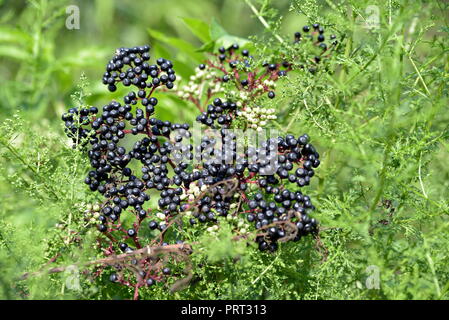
202, 182
114, 174
130, 67
240, 67
276, 168
317, 31
74, 119
317, 37
244, 61
279, 206
218, 112
245, 80
232, 67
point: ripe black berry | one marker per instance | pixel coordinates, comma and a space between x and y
113, 277
166, 271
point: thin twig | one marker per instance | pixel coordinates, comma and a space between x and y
266, 269
419, 76
146, 251
419, 176
313, 118
263, 21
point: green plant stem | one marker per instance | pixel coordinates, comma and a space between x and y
263, 21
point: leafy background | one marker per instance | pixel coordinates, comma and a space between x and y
380, 122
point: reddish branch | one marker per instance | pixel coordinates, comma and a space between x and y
146, 252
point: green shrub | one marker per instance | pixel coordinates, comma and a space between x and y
379, 119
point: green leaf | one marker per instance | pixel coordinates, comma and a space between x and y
179, 44
13, 52
13, 35
222, 38
216, 30
228, 40
199, 28
84, 57
207, 47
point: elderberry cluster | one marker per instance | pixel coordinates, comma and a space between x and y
126, 186
218, 112
278, 169
246, 80
234, 68
315, 36
73, 121
216, 178
130, 67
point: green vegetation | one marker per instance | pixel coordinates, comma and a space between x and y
379, 118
